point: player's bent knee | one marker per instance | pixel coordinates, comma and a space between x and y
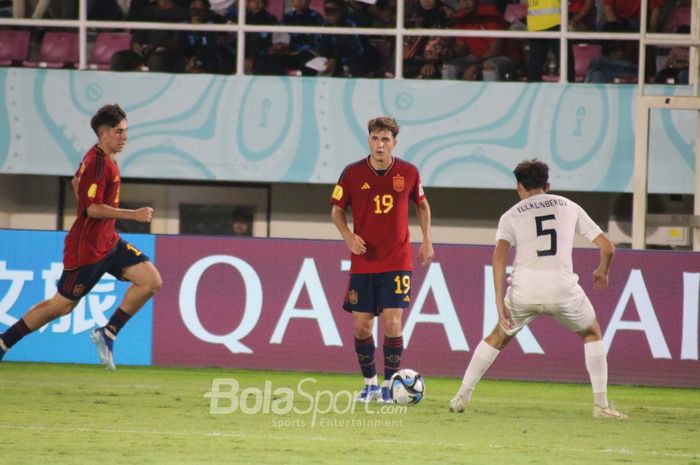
592, 333
62, 306
155, 284
498, 339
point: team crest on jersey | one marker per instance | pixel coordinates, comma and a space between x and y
78, 290
398, 183
352, 296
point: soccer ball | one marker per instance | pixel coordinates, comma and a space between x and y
407, 387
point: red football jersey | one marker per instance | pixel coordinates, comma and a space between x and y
90, 239
380, 205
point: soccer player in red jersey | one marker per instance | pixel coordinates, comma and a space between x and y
378, 188
92, 247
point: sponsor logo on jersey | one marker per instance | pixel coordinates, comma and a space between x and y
365, 186
338, 192
398, 183
407, 299
352, 297
92, 191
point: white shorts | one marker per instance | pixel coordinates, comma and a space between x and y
576, 314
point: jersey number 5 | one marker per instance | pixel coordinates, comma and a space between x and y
551, 232
383, 204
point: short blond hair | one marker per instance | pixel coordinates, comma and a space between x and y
382, 123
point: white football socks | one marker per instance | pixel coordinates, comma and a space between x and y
483, 357
597, 366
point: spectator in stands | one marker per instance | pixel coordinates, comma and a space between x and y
581, 15
136, 8
293, 51
677, 63
125, 60
220, 7
428, 14
619, 61
302, 15
423, 56
161, 61
478, 57
382, 13
163, 41
64, 9
204, 51
107, 10
626, 13
258, 44
347, 55
360, 13
545, 15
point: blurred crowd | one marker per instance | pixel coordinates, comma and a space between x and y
424, 57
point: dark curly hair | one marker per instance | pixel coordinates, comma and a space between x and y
532, 174
109, 115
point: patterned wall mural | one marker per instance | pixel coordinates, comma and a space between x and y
305, 130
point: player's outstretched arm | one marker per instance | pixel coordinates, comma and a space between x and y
354, 242
102, 211
425, 251
607, 252
498, 261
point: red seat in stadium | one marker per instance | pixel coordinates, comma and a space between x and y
14, 47
106, 44
58, 50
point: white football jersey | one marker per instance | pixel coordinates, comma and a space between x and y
541, 228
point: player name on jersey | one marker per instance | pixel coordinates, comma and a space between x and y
541, 204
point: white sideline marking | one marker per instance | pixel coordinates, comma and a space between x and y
623, 451
277, 437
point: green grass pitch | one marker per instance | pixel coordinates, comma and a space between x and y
73, 414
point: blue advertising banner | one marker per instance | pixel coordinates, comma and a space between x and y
30, 266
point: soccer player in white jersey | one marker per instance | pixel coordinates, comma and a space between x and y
541, 227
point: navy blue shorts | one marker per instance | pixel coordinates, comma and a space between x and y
373, 292
76, 283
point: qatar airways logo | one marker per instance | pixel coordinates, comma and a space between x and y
445, 315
